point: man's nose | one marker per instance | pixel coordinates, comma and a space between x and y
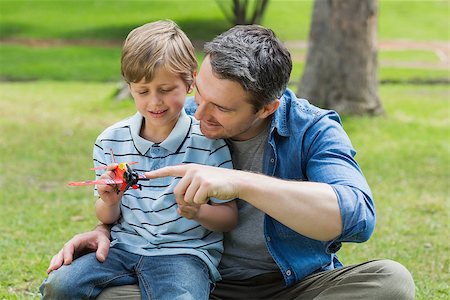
201, 111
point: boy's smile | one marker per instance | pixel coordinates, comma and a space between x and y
160, 102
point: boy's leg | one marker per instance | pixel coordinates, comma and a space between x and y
86, 277
173, 277
381, 279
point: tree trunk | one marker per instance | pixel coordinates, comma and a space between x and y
341, 64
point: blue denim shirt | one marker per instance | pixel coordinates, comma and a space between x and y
309, 143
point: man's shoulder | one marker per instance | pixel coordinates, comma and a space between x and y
190, 106
299, 112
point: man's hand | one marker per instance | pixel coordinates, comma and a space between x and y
96, 240
199, 183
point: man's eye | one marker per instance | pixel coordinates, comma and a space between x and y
222, 109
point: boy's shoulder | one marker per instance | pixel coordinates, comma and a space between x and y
198, 138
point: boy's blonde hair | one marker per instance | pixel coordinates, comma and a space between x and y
158, 44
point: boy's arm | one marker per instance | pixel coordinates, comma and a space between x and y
107, 213
220, 217
107, 206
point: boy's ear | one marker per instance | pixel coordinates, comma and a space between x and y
191, 88
269, 109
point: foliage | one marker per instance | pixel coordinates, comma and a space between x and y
241, 12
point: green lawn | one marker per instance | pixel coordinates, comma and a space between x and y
90, 19
47, 133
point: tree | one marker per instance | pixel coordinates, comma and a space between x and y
341, 65
242, 12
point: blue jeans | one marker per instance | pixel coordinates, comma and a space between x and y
158, 277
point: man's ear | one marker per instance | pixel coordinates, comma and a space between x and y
269, 109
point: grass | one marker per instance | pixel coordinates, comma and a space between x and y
405, 157
82, 63
90, 19
60, 63
202, 20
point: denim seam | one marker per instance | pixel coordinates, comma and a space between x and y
103, 284
146, 286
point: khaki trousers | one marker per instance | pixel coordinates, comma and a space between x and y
378, 279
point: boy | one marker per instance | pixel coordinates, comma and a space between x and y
170, 250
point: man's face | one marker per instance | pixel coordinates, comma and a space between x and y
223, 109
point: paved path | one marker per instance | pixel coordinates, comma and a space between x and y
440, 48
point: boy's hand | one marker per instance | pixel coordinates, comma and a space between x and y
188, 210
108, 192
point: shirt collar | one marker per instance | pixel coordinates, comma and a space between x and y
279, 120
171, 143
178, 133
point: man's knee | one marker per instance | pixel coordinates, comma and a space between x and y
124, 292
398, 282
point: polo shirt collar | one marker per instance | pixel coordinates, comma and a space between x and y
171, 143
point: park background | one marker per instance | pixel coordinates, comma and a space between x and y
59, 72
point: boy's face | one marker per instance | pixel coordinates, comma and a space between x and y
160, 102
223, 109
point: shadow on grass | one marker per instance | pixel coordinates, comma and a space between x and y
8, 30
203, 30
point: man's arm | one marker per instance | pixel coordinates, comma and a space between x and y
306, 207
96, 240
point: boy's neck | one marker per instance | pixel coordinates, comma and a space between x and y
155, 136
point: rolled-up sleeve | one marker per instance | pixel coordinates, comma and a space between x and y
330, 158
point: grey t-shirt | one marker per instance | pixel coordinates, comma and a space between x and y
245, 252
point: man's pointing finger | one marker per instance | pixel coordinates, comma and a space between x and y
174, 171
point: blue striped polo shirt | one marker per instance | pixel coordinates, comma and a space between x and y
149, 223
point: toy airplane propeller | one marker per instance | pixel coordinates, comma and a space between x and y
125, 176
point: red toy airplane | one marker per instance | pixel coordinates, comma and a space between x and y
125, 176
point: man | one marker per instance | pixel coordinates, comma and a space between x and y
301, 192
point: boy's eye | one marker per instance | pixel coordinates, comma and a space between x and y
165, 90
142, 92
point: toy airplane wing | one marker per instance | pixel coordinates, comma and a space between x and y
104, 167
99, 181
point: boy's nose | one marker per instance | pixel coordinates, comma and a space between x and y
154, 99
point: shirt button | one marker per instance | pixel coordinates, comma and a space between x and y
288, 272
268, 238
272, 160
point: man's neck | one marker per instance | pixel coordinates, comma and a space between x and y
255, 130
